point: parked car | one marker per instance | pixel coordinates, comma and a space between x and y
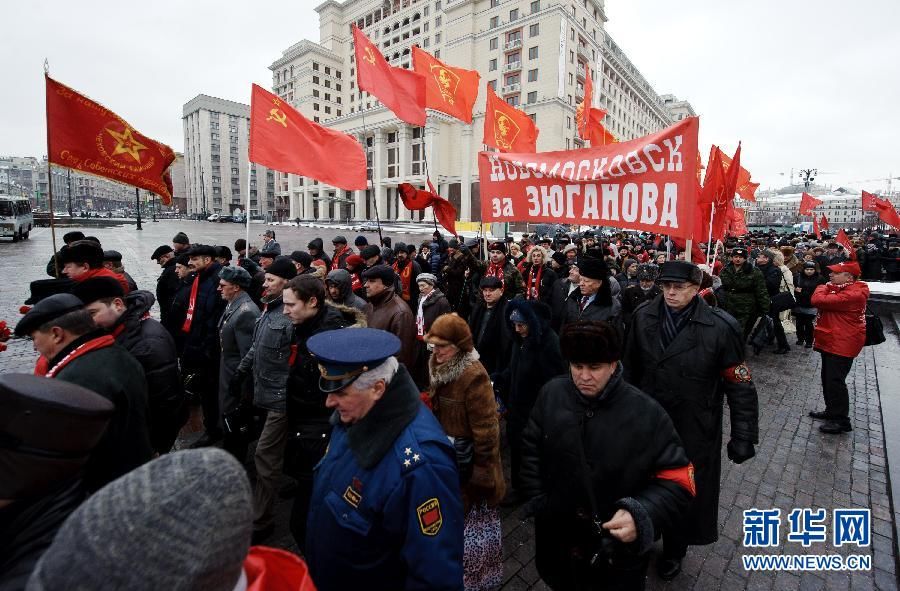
225, 218
213, 218
368, 226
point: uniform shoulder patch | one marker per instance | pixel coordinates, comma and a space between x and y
430, 517
738, 374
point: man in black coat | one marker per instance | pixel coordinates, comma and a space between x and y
200, 354
488, 325
686, 355
604, 467
168, 282
78, 352
51, 428
593, 300
127, 318
307, 416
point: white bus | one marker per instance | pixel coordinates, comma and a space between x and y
16, 219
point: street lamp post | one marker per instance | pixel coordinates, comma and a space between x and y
137, 200
808, 175
153, 207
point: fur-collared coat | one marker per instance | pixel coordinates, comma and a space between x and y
463, 402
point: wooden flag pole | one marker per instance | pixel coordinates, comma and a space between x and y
49, 173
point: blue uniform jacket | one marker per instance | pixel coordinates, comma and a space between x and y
398, 524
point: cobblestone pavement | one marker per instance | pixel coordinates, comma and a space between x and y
796, 466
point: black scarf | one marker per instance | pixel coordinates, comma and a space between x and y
673, 321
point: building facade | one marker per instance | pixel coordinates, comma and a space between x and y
534, 53
842, 207
179, 184
217, 179
678, 109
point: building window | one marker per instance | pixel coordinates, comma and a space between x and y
513, 14
316, 106
315, 79
337, 73
492, 65
437, 53
338, 112
327, 96
532, 75
328, 84
425, 12
427, 42
534, 30
512, 79
532, 53
493, 84
495, 3
568, 123
327, 109
513, 100
337, 87
327, 70
494, 43
495, 22
437, 38
532, 97
315, 66
437, 5
571, 57
570, 79
535, 6
437, 21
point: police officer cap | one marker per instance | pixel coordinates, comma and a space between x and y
112, 255
236, 275
98, 288
160, 251
680, 271
82, 251
46, 310
383, 272
345, 354
48, 428
44, 288
739, 252
202, 250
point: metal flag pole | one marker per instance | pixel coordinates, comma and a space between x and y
137, 199
49, 173
247, 212
371, 180
425, 158
712, 212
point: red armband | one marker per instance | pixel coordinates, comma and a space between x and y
683, 477
737, 374
293, 358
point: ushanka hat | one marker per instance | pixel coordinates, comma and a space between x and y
590, 341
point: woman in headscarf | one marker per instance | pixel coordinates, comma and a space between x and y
463, 401
432, 304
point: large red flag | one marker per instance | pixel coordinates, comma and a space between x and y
887, 213
447, 89
418, 199
507, 128
745, 188
725, 199
739, 221
808, 203
583, 112
598, 135
824, 222
86, 136
869, 201
282, 139
816, 228
844, 241
402, 91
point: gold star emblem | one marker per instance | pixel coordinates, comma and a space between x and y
126, 144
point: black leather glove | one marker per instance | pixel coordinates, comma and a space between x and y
740, 450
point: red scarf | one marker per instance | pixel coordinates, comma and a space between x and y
496, 270
91, 345
532, 291
186, 327
103, 272
405, 277
355, 282
336, 259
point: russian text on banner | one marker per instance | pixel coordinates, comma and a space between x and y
649, 183
86, 136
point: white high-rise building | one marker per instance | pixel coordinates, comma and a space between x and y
216, 134
534, 53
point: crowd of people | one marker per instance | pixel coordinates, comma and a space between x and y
385, 380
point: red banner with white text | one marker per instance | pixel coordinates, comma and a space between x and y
649, 184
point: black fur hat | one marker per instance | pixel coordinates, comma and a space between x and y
590, 341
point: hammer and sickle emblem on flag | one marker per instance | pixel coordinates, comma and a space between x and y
369, 57
278, 116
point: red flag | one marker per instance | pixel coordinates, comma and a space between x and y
869, 201
724, 203
597, 132
887, 213
816, 228
739, 221
507, 128
583, 112
86, 136
844, 241
745, 188
282, 139
808, 203
402, 91
824, 222
418, 199
447, 89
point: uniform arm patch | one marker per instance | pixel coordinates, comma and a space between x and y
683, 477
738, 374
430, 518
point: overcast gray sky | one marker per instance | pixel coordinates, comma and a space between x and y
802, 83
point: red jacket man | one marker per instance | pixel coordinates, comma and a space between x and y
839, 337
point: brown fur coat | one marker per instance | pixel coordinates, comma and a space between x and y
463, 401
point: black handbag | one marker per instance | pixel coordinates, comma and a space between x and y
465, 453
874, 329
783, 300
